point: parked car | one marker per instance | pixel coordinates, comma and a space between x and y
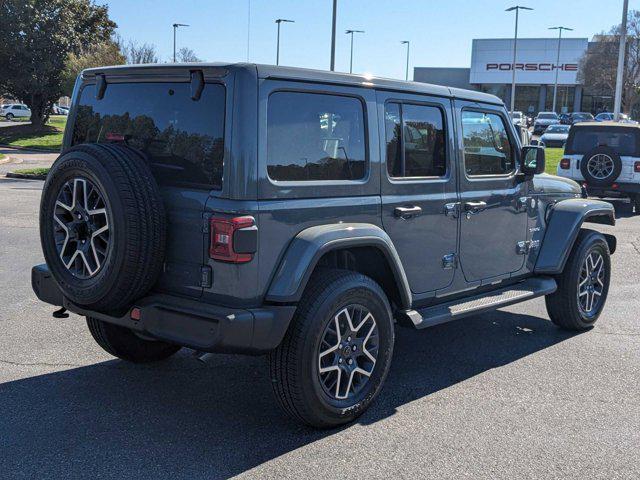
58, 110
610, 117
301, 213
577, 117
605, 156
518, 119
555, 136
15, 110
543, 120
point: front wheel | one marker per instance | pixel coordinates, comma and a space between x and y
337, 351
583, 285
9, 116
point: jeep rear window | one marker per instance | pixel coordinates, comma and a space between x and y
314, 136
183, 138
583, 140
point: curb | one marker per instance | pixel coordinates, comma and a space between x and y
26, 176
32, 149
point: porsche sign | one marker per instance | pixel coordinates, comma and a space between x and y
492, 61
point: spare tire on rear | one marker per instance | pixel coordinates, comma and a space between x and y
102, 226
601, 166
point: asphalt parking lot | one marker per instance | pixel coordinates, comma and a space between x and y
500, 395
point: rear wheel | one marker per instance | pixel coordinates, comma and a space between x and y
123, 343
635, 202
9, 116
583, 285
337, 351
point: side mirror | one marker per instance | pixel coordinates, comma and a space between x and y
533, 161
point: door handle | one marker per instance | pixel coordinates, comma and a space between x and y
407, 212
474, 207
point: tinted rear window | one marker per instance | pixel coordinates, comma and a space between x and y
314, 136
184, 139
623, 140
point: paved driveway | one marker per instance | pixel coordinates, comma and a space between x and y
500, 395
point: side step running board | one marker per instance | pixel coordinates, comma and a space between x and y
445, 312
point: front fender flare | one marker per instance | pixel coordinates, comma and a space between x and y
563, 226
311, 244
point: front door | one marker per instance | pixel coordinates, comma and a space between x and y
493, 199
418, 181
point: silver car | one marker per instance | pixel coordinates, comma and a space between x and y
555, 136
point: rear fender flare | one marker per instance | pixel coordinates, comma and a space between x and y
306, 249
563, 225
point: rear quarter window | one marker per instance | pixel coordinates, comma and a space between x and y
183, 139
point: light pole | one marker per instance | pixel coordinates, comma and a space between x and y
279, 21
617, 104
175, 27
351, 32
406, 72
333, 36
517, 8
555, 86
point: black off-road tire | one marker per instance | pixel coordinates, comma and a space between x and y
609, 179
563, 305
294, 364
635, 203
135, 252
123, 343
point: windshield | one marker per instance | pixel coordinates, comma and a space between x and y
623, 140
558, 129
182, 138
547, 116
583, 116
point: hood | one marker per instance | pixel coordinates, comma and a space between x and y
554, 136
547, 121
545, 183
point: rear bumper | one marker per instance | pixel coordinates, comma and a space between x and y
622, 190
186, 322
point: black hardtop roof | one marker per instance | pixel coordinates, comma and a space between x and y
608, 124
217, 69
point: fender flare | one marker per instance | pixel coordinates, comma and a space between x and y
306, 249
563, 225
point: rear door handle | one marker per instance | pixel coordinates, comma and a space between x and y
407, 212
474, 207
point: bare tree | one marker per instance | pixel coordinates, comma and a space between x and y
187, 55
597, 69
138, 53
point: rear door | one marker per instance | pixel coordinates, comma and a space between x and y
419, 186
493, 200
183, 140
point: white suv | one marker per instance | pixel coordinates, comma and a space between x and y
15, 110
605, 158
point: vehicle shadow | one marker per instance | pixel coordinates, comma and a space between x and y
623, 207
181, 419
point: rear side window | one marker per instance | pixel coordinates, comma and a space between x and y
415, 139
184, 139
487, 148
314, 136
585, 139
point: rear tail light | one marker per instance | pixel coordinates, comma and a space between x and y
233, 240
565, 164
636, 167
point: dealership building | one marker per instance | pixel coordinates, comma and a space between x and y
536, 65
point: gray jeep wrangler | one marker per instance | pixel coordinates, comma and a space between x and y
302, 214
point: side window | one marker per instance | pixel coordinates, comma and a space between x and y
487, 148
314, 136
415, 139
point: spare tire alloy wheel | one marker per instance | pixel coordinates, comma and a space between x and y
600, 166
82, 228
348, 353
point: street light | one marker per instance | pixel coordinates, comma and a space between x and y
351, 32
517, 8
279, 21
555, 86
617, 103
175, 27
333, 35
408, 44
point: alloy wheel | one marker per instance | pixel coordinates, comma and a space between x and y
600, 166
81, 227
348, 352
591, 283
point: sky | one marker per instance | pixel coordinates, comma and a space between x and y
440, 31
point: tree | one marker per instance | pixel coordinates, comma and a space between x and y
187, 55
135, 53
598, 67
102, 54
36, 38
